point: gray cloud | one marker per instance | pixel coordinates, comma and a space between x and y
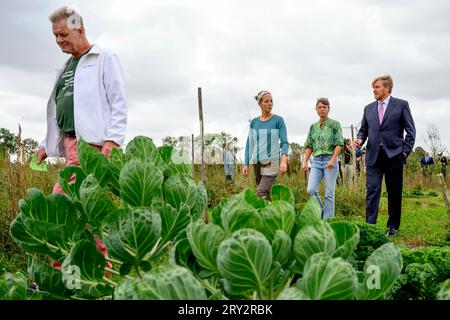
297, 49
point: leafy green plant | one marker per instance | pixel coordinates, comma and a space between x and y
444, 292
424, 270
136, 201
371, 238
255, 249
438, 257
143, 201
13, 286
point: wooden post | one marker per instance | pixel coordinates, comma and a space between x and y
444, 193
202, 137
192, 148
353, 158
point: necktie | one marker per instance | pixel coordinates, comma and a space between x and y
381, 112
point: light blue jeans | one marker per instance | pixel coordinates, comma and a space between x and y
318, 172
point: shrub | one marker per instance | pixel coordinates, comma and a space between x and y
438, 257
371, 238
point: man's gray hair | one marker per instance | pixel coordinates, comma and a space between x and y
65, 13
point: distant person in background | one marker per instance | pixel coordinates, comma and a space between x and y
324, 143
383, 124
348, 165
425, 163
360, 162
443, 162
267, 146
229, 163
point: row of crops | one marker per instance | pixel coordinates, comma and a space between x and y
149, 212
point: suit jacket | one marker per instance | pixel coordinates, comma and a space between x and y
426, 161
396, 120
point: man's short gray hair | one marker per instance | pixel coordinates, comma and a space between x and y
65, 13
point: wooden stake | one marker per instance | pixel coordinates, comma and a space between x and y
192, 148
444, 193
353, 159
202, 137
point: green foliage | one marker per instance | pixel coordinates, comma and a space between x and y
7, 141
327, 278
311, 239
444, 292
205, 240
422, 280
424, 270
143, 201
244, 261
157, 199
162, 283
347, 236
13, 286
371, 238
260, 259
281, 192
381, 270
438, 257
278, 215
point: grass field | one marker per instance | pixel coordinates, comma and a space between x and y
424, 221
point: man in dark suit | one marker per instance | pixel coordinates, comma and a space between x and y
383, 125
426, 162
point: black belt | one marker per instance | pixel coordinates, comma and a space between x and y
70, 134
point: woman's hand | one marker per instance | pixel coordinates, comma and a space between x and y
283, 167
245, 171
305, 166
330, 164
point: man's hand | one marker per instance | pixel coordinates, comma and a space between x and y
40, 155
356, 143
245, 171
108, 146
283, 167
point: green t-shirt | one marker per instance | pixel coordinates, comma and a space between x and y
322, 139
64, 96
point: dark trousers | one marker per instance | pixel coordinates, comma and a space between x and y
263, 183
392, 169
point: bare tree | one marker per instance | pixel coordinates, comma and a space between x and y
433, 140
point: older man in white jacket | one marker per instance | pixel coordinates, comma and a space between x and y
88, 100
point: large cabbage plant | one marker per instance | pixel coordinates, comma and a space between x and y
135, 201
144, 203
256, 249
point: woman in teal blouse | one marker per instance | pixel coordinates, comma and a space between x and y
266, 143
324, 142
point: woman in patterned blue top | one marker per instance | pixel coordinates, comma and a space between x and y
324, 142
266, 143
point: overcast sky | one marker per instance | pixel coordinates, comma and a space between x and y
298, 50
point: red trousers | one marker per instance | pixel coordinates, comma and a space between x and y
70, 145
